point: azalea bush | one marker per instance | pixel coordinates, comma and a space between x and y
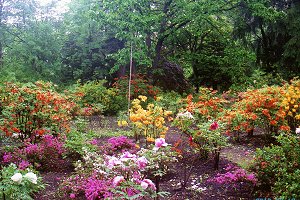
33, 109
149, 121
206, 105
258, 107
291, 104
235, 177
140, 85
122, 175
19, 184
278, 167
47, 155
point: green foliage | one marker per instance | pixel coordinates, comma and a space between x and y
13, 190
277, 167
79, 139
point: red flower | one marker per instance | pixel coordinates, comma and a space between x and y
214, 126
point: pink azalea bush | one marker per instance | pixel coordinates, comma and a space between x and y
45, 155
120, 175
234, 175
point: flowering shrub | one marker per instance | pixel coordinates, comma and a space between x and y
140, 86
46, 155
259, 107
31, 110
150, 121
291, 104
209, 138
120, 144
19, 184
235, 175
278, 165
207, 105
118, 176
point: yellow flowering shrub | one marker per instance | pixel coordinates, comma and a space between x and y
148, 121
291, 104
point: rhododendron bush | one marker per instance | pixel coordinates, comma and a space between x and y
31, 110
122, 175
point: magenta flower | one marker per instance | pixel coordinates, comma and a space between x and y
117, 180
7, 157
214, 126
23, 164
72, 196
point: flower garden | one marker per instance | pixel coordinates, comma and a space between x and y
82, 142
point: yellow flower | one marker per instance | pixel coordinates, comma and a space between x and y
119, 123
294, 110
296, 106
124, 123
142, 98
137, 146
162, 136
158, 98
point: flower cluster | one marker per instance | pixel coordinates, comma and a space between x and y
120, 175
291, 103
140, 86
31, 110
234, 175
46, 155
150, 121
257, 107
17, 183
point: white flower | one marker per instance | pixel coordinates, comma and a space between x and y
186, 115
17, 178
298, 130
31, 177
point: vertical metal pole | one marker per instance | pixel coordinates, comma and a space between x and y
129, 83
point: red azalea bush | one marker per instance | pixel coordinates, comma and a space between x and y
33, 109
140, 85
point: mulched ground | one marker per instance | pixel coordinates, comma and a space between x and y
197, 170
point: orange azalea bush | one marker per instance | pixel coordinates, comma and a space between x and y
258, 107
206, 105
149, 121
291, 104
33, 109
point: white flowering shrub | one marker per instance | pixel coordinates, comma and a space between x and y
18, 184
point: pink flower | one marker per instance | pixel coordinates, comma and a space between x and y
214, 126
72, 196
148, 183
142, 162
159, 142
144, 185
297, 130
117, 180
